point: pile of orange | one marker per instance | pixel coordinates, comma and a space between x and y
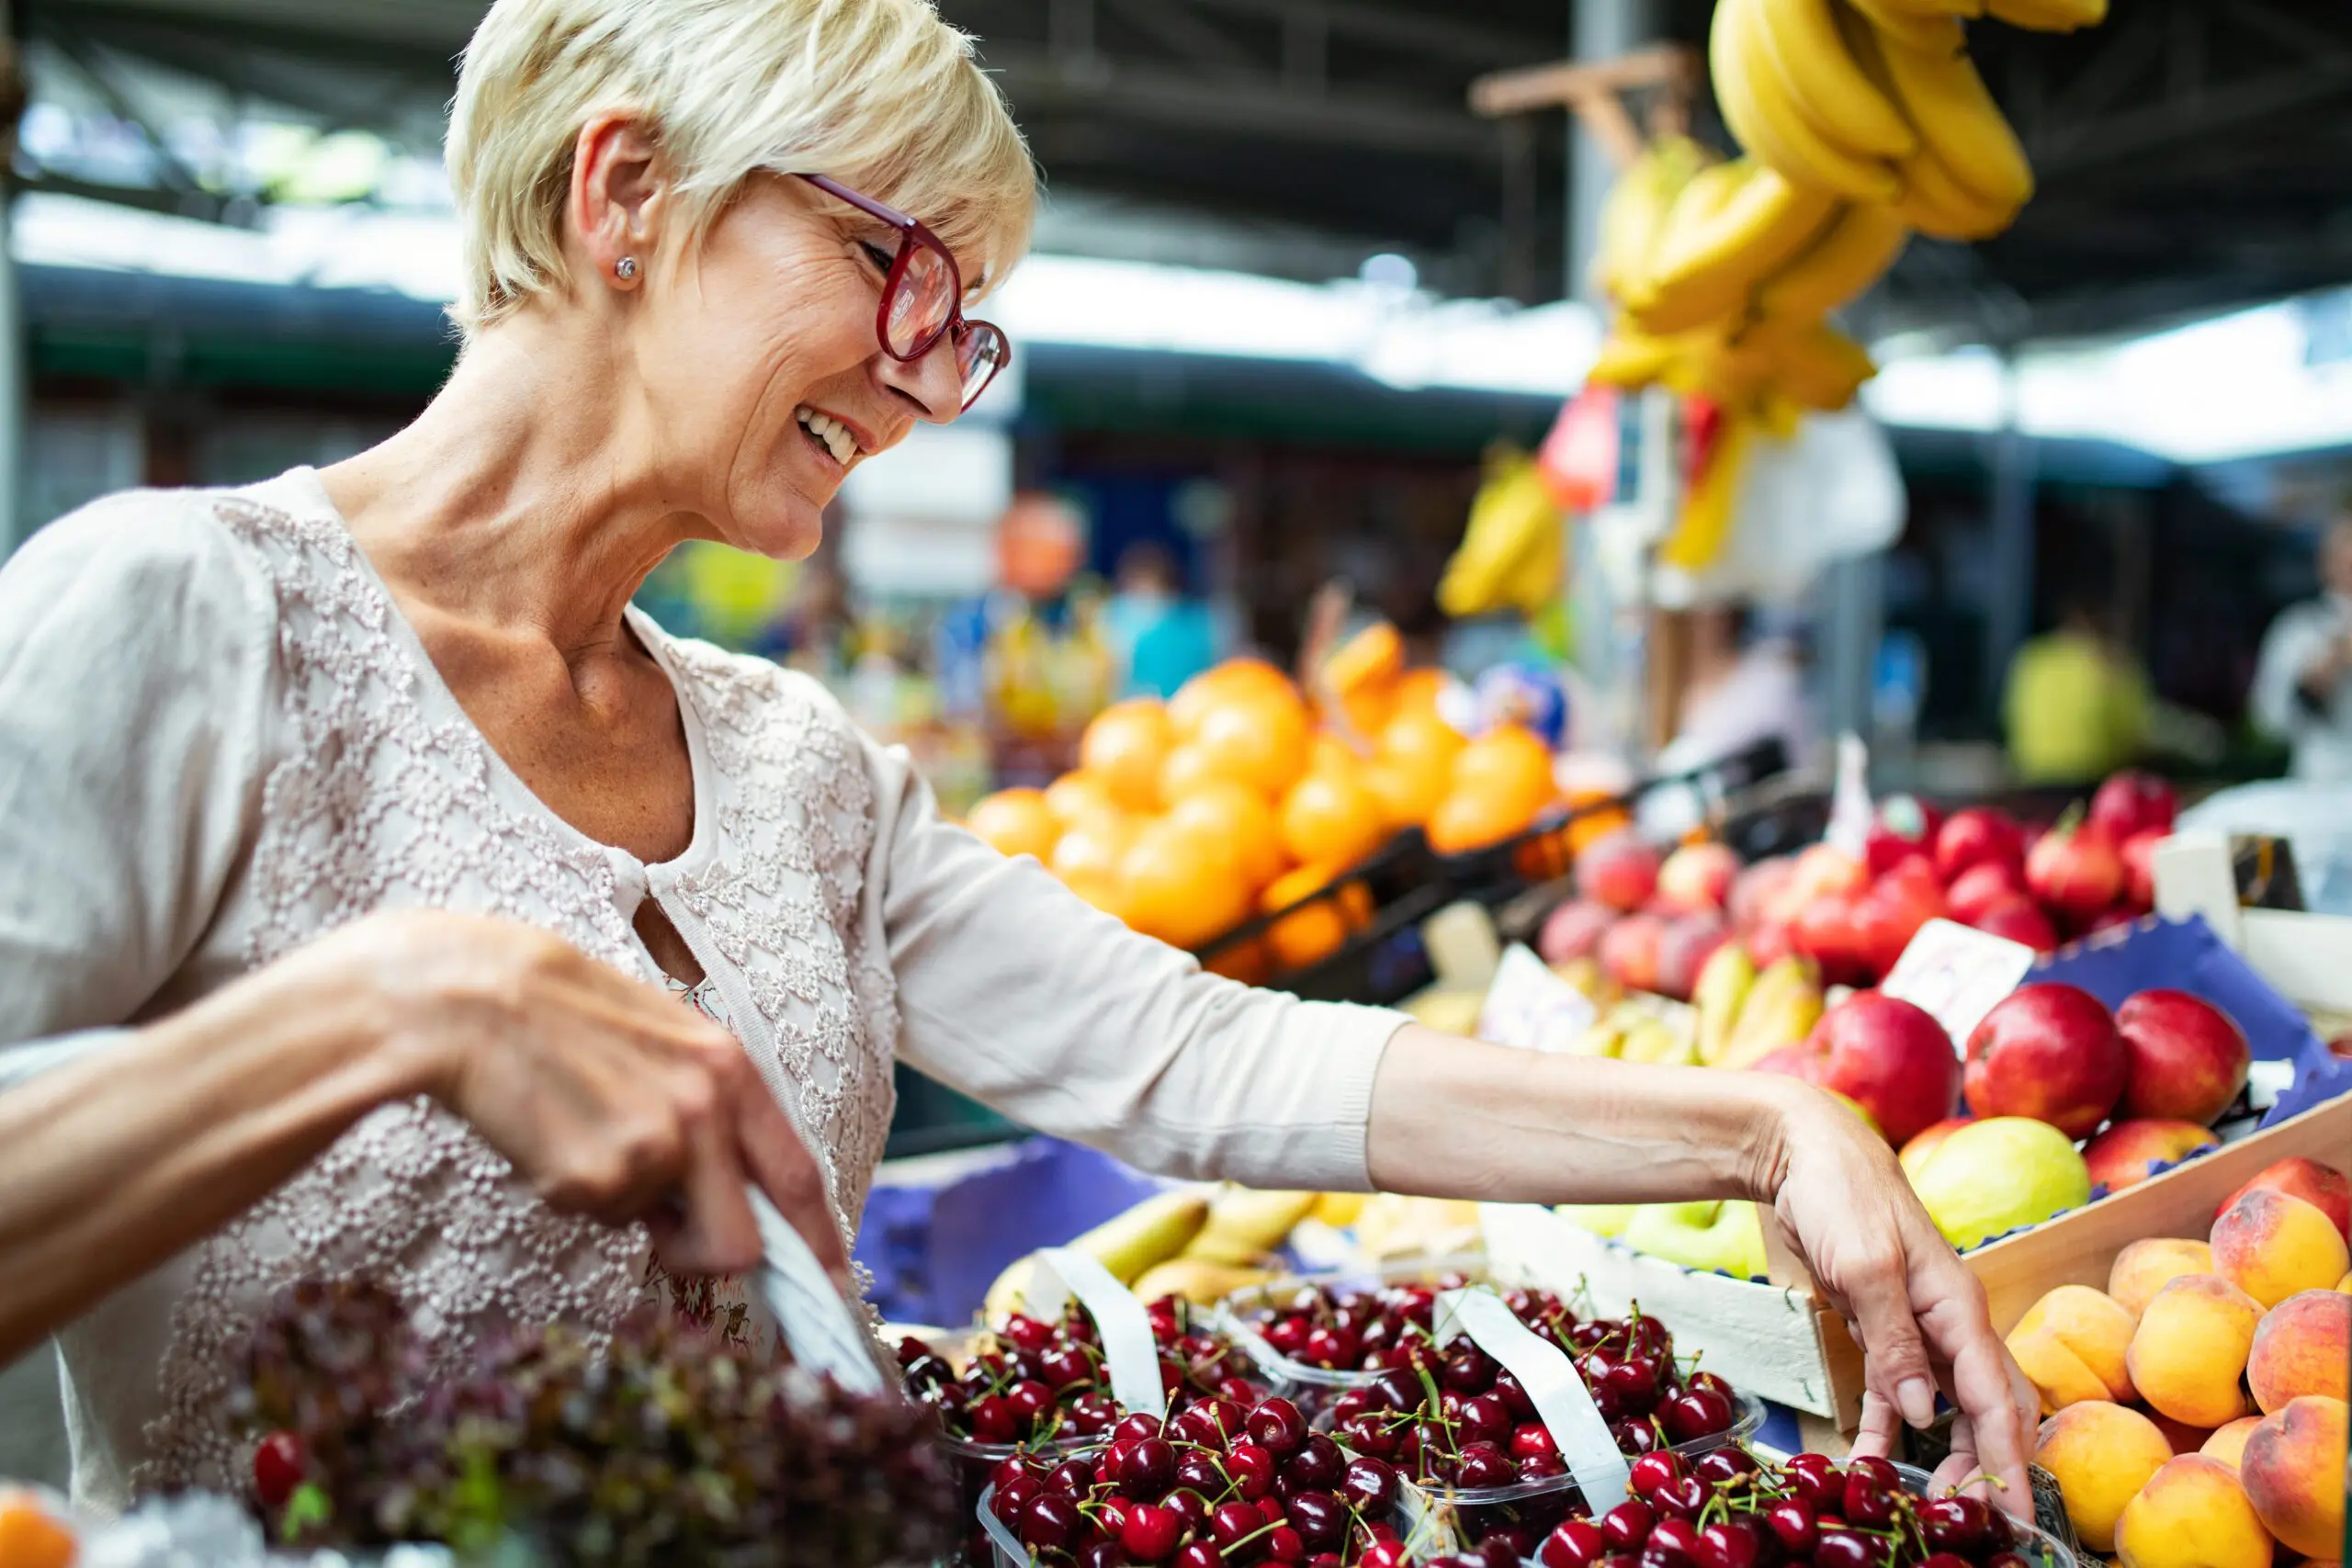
1234, 798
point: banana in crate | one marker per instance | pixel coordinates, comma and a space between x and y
1200, 1243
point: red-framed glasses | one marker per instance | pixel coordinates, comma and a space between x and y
923, 298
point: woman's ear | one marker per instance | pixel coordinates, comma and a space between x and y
618, 198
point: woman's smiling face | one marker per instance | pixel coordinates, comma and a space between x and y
763, 377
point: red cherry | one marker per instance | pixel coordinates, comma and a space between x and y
1072, 1476
1954, 1525
1843, 1548
1684, 1496
1652, 1473
1368, 1435
1232, 1525
1319, 1464
1728, 1543
1199, 1554
1027, 1332
1251, 1470
1947, 1560
1468, 1370
1288, 1337
1150, 1469
1530, 1438
1282, 1545
1092, 1415
993, 1421
1051, 1523
1722, 1465
1318, 1518
1135, 1428
1484, 1419
1579, 1543
1627, 1526
1791, 1525
1514, 1397
1029, 1400
1101, 1554
1679, 1536
1190, 1509
1278, 1428
1814, 1478
1484, 1467
1868, 1502
1634, 1382
1012, 1499
1542, 1467
1369, 1486
278, 1468
1386, 1554
1198, 1468
1332, 1348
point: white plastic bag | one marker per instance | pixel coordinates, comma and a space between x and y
1828, 493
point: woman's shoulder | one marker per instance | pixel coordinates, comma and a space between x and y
157, 556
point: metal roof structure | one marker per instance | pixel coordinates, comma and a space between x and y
2192, 153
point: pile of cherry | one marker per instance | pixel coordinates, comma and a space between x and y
1725, 1510
1448, 1415
1219, 1485
1032, 1382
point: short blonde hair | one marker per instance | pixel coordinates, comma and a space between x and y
881, 94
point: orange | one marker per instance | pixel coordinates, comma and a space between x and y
1373, 657
1330, 819
1106, 890
1587, 830
1512, 767
1237, 676
1409, 789
1418, 732
1473, 819
1126, 747
1074, 795
1094, 845
1184, 890
29, 1536
1016, 822
1258, 739
1330, 754
1246, 962
1319, 930
1417, 691
1234, 815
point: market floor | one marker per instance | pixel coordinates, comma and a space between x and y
32, 1428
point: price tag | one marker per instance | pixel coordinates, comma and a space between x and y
1128, 1348
1553, 1387
1850, 799
1958, 975
1529, 1007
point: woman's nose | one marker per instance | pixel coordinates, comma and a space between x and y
933, 382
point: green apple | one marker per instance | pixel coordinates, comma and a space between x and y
1703, 1236
1601, 1219
1992, 1177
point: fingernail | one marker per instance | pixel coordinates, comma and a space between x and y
1916, 1397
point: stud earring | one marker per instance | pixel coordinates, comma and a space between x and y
626, 269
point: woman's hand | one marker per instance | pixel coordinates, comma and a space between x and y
1914, 1307
612, 1098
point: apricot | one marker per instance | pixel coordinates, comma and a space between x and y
2228, 1443
2146, 1267
2302, 1345
2271, 1246
2071, 1344
2191, 1514
2190, 1349
2102, 1455
2293, 1472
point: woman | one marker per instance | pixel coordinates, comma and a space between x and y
231, 722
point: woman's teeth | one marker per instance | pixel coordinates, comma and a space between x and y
832, 433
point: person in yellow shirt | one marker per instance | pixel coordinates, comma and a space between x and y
2078, 707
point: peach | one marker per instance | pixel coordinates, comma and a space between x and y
2302, 1345
2321, 1185
2191, 1514
2102, 1455
2271, 1246
2191, 1348
2184, 1437
2146, 1267
2122, 1155
2071, 1343
2228, 1443
2293, 1473
2345, 1284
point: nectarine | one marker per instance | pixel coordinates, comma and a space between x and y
2228, 1442
2191, 1514
2071, 1343
2271, 1246
2302, 1345
2190, 1349
2293, 1473
2147, 1265
2102, 1455
2322, 1186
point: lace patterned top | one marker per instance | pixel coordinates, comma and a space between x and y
219, 738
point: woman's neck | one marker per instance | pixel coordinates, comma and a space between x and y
525, 498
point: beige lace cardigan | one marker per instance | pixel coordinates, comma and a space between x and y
218, 739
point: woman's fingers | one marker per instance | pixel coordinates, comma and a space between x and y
1995, 1397
716, 1233
781, 1166
1878, 1293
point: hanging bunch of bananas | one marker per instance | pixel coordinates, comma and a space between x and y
1511, 556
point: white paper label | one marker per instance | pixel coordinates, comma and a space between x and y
1560, 1398
1129, 1348
1957, 975
1529, 1007
1850, 799
822, 1328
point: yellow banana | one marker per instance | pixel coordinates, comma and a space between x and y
1706, 521
1200, 1280
1152, 1232
1725, 981
1631, 358
1513, 519
1828, 84
2049, 16
1655, 1040
1338, 1210
1851, 255
1814, 364
1705, 269
1921, 29
1778, 416
1635, 212
1605, 1038
1935, 202
1756, 107
1947, 102
1244, 1225
1780, 1009
1928, 11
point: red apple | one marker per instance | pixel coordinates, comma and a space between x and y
1619, 872
1628, 951
2121, 1155
1981, 886
1978, 836
2139, 852
1797, 1061
1684, 948
1825, 931
1889, 1057
2323, 1187
2049, 1052
2075, 875
1820, 872
1697, 879
1755, 889
1890, 913
2189, 1057
2021, 919
1768, 944
2131, 803
1902, 826
1573, 931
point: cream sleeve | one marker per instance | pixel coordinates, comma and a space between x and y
134, 653
1018, 993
